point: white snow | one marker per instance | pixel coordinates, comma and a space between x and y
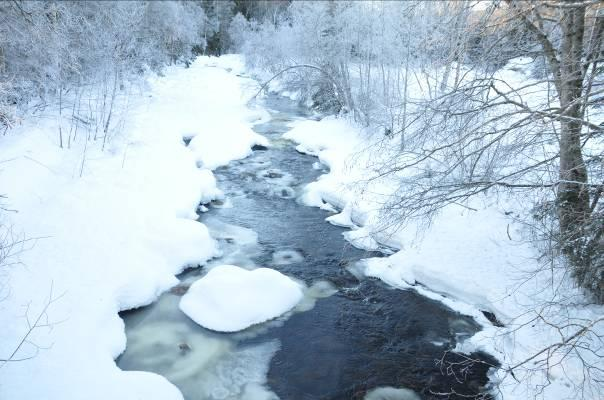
343, 218
335, 142
230, 298
362, 239
390, 393
114, 238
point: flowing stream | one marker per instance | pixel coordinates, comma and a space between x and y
347, 337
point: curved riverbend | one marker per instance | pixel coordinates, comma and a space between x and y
348, 336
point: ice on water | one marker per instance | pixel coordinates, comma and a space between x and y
318, 290
238, 244
205, 366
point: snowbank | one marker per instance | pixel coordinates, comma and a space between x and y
334, 141
114, 238
230, 298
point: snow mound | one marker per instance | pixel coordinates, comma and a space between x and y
390, 393
389, 271
230, 298
208, 148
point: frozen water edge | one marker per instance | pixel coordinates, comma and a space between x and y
202, 363
335, 142
199, 362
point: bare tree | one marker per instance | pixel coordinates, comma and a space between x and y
39, 321
573, 60
486, 133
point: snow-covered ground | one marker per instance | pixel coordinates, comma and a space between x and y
473, 258
114, 237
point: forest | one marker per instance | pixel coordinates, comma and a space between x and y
457, 146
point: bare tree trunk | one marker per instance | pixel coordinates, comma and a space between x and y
456, 47
572, 196
404, 124
2, 61
106, 129
345, 85
104, 104
60, 117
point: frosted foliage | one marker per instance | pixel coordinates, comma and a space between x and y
48, 46
361, 47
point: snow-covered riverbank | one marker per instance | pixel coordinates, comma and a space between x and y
114, 238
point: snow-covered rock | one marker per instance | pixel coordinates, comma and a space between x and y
230, 298
390, 393
285, 257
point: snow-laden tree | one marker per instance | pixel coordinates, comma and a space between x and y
48, 47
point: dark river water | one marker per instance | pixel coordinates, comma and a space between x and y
349, 335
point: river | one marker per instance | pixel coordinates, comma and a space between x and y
350, 334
